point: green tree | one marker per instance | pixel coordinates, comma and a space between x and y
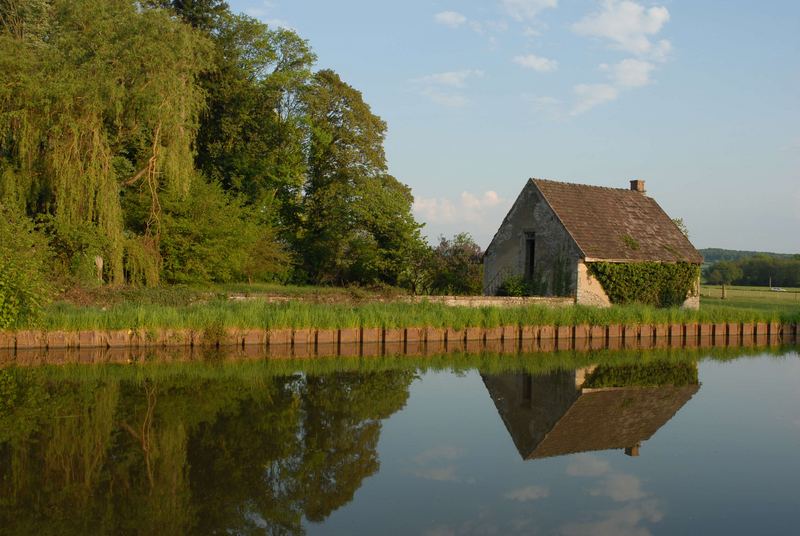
723, 273
212, 236
457, 266
356, 218
24, 259
250, 136
95, 97
681, 225
203, 14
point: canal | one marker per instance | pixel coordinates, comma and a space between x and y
644, 442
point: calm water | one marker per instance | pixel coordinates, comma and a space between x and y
660, 445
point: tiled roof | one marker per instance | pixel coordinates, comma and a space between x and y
612, 419
617, 224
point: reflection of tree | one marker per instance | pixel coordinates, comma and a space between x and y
180, 455
341, 428
302, 452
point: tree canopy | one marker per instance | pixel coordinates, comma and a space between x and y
179, 141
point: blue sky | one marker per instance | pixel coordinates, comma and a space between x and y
700, 99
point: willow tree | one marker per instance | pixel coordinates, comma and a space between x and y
96, 97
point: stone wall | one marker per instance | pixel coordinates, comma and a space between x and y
556, 254
693, 299
590, 291
493, 301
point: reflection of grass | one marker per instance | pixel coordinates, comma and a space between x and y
258, 314
217, 365
757, 298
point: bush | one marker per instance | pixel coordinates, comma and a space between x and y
211, 236
514, 285
457, 266
24, 259
73, 247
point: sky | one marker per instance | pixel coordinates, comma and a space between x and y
699, 99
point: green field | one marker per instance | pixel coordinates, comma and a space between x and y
758, 298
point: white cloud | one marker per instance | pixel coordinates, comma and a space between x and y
440, 530
537, 63
261, 10
437, 464
451, 78
440, 87
528, 493
630, 73
631, 520
526, 9
443, 452
438, 474
530, 31
620, 488
489, 199
469, 207
545, 104
279, 23
453, 19
588, 465
661, 50
590, 95
628, 25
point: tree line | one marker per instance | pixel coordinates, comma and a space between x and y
179, 142
758, 270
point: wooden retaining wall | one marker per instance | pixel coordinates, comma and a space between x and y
409, 341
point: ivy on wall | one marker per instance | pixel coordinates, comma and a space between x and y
651, 283
643, 375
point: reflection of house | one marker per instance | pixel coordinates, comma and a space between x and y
553, 414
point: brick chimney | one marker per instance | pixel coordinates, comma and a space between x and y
637, 186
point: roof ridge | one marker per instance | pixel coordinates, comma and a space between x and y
537, 179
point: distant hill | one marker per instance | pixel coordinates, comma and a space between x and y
712, 255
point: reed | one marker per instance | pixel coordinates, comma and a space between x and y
259, 314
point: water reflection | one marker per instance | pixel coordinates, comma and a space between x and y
590, 409
201, 450
180, 454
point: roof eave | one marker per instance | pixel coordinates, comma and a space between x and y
601, 259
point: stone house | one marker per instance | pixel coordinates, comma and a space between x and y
555, 228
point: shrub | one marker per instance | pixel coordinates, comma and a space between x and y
211, 236
24, 258
457, 266
515, 285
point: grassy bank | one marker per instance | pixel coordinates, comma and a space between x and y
258, 314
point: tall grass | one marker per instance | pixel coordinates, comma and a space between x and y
259, 314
